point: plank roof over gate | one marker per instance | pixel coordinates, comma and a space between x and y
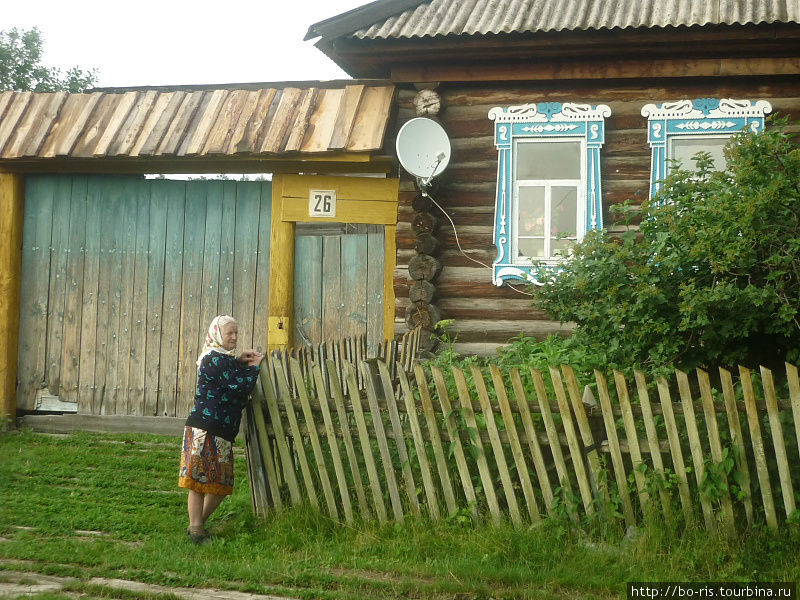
294, 120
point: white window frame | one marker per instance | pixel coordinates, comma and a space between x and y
702, 117
548, 184
543, 123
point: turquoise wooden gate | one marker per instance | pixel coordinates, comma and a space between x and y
120, 279
338, 283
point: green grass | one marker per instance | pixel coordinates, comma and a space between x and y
125, 487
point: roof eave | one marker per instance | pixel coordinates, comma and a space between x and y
360, 17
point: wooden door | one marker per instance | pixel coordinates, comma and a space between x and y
121, 277
338, 283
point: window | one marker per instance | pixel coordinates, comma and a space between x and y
548, 183
679, 130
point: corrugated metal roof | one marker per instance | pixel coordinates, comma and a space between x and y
222, 122
480, 17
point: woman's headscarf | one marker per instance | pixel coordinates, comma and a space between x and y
214, 337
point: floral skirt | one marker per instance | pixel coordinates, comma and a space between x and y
206, 463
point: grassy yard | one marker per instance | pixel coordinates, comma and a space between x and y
108, 506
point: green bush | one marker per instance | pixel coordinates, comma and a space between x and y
711, 276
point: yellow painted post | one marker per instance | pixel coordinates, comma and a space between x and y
11, 209
281, 272
390, 261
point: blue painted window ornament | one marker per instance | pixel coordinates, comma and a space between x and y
679, 130
548, 183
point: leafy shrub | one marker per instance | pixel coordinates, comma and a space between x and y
711, 277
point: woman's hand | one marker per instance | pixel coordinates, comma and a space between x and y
250, 358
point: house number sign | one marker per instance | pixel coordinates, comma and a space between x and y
322, 203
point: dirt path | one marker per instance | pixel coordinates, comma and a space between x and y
18, 583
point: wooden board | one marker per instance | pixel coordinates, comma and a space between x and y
155, 295
12, 204
353, 285
261, 315
248, 212
38, 224
211, 258
332, 290
140, 296
308, 285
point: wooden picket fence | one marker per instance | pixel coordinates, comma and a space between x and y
441, 443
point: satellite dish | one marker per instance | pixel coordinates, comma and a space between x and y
423, 149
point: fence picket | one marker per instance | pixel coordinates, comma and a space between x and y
715, 444
633, 441
758, 447
653, 442
271, 396
516, 447
575, 450
737, 440
399, 437
613, 444
383, 444
364, 441
695, 447
475, 437
265, 444
777, 440
497, 446
533, 439
419, 445
297, 435
452, 432
435, 438
311, 427
586, 432
550, 428
794, 395
675, 450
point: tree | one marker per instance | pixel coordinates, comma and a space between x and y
21, 69
711, 277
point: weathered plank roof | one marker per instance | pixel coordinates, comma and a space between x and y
435, 18
271, 121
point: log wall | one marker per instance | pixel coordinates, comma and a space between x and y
487, 316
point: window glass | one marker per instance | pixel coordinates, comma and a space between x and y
684, 149
564, 215
531, 210
548, 160
530, 247
562, 247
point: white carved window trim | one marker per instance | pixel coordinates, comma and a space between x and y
699, 118
553, 122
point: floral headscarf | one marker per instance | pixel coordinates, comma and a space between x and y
214, 337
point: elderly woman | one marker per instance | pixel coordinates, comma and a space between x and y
224, 383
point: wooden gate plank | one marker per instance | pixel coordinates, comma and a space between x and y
375, 277
248, 211
37, 232
156, 250
354, 290
191, 294
261, 315
91, 280
107, 207
331, 290
126, 290
211, 248
58, 269
225, 297
175, 199
308, 286
138, 337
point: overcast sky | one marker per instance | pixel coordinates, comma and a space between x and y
150, 42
